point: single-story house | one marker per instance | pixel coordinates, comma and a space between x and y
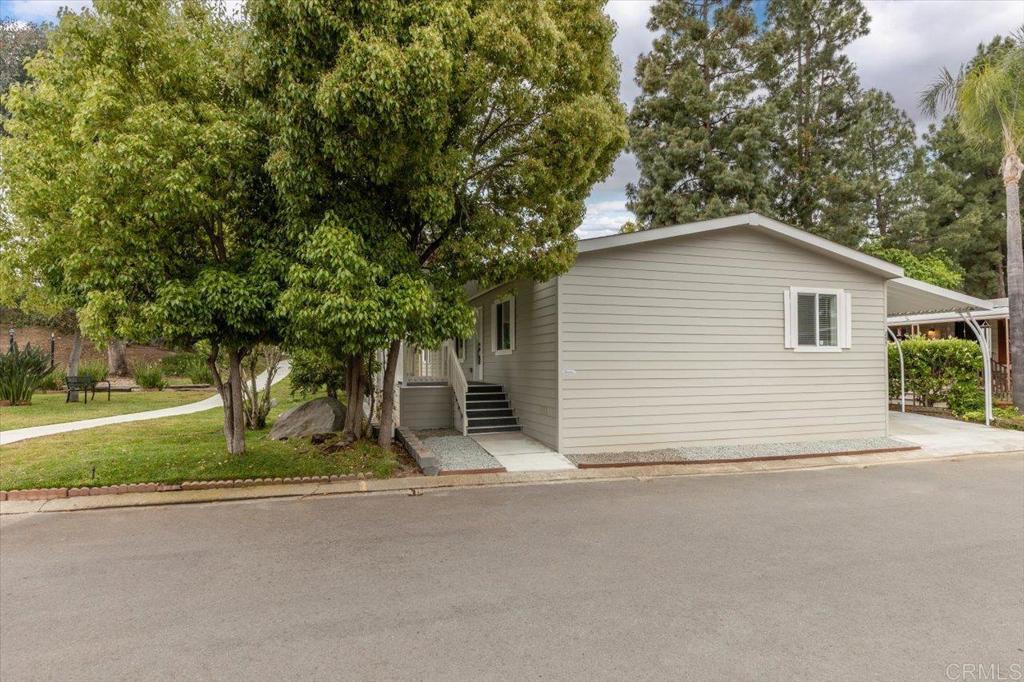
731, 331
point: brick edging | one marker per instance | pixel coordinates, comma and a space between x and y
421, 453
57, 493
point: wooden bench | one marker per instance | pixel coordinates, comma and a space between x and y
84, 385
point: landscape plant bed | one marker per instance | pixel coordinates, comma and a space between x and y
999, 421
174, 450
741, 453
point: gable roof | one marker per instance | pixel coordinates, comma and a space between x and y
754, 220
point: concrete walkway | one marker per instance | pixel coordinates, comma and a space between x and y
938, 436
15, 435
517, 452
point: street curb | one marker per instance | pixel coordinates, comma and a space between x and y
414, 484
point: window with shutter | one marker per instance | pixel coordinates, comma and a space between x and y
817, 319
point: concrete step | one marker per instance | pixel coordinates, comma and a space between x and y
493, 429
485, 388
494, 412
493, 421
486, 405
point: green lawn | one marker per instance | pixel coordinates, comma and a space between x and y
176, 449
50, 408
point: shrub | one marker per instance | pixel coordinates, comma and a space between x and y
191, 365
21, 372
965, 397
150, 376
93, 371
54, 381
937, 370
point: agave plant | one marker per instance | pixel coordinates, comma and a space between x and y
21, 372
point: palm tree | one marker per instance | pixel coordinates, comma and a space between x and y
987, 99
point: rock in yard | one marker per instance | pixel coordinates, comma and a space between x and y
317, 416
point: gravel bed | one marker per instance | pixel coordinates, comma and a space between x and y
459, 453
727, 452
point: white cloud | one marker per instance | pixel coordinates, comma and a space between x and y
910, 42
604, 217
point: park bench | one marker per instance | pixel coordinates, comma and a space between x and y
84, 385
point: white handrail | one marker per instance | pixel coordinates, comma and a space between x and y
457, 380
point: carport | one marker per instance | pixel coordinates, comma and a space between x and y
906, 296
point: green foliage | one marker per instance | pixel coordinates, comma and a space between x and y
316, 370
879, 151
700, 144
19, 41
54, 381
814, 94
149, 376
189, 364
940, 370
459, 138
93, 371
935, 268
21, 373
1002, 417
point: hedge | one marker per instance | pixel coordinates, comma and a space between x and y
939, 370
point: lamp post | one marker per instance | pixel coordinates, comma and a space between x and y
53, 346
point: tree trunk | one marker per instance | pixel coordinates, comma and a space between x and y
117, 359
73, 361
354, 396
236, 444
1012, 168
387, 405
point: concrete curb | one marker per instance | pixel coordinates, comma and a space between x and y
414, 484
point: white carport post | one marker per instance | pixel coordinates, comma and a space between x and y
903, 389
986, 354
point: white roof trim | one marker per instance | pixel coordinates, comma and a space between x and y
909, 297
757, 221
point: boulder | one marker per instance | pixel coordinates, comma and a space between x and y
321, 415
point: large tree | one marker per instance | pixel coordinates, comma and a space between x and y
955, 203
454, 140
698, 136
987, 99
880, 149
814, 103
134, 169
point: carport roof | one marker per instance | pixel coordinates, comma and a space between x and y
908, 296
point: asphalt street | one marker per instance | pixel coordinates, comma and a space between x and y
895, 572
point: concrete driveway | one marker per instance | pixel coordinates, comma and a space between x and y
897, 572
938, 436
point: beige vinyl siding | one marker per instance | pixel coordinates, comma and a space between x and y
426, 407
681, 342
529, 372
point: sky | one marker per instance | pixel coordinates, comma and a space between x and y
909, 42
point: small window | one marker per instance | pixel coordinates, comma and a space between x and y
504, 326
460, 349
817, 319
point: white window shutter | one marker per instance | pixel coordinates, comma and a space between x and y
789, 331
846, 301
512, 323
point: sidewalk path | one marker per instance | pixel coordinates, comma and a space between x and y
15, 435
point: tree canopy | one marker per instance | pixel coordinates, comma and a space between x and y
134, 167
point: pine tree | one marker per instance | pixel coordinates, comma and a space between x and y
698, 140
958, 207
880, 148
814, 94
